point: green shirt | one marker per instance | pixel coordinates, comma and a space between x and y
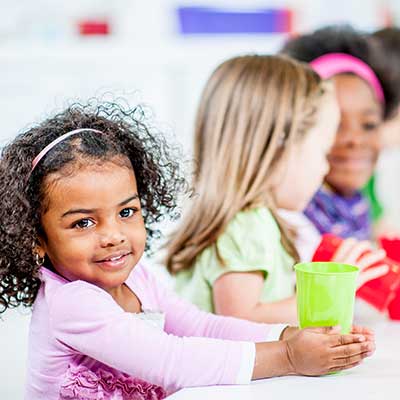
251, 242
376, 207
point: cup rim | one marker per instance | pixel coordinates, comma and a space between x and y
352, 268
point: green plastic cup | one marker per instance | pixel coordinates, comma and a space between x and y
325, 294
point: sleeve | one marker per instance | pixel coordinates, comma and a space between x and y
250, 243
182, 318
92, 324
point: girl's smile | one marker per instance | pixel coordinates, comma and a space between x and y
352, 162
116, 260
93, 226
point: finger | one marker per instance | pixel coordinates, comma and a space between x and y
327, 330
344, 249
363, 330
352, 349
356, 252
371, 258
343, 367
371, 274
343, 340
342, 362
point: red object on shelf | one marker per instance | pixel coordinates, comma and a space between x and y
381, 292
94, 27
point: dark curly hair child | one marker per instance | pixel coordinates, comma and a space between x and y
347, 204
79, 193
108, 132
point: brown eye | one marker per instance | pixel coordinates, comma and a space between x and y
83, 223
370, 126
127, 212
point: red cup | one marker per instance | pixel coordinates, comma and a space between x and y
392, 247
379, 292
394, 307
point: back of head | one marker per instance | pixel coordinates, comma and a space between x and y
345, 39
251, 110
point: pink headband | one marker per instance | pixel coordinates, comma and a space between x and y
55, 142
332, 64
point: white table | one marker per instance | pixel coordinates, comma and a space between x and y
378, 378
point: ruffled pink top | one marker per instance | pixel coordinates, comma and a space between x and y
83, 345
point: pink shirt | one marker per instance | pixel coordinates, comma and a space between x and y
82, 343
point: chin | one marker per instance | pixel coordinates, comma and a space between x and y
348, 186
299, 206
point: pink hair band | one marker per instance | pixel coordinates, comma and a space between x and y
333, 64
56, 141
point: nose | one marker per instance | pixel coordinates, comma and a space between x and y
350, 136
111, 235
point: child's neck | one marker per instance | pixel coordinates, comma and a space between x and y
126, 299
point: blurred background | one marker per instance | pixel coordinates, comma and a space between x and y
156, 52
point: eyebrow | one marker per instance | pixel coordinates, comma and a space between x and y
91, 211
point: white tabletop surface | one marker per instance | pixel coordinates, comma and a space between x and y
377, 378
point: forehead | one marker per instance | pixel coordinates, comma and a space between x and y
94, 186
355, 95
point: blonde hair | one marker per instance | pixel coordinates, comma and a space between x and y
252, 110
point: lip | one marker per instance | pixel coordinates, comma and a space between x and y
356, 163
114, 260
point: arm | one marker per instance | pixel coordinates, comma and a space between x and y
92, 324
238, 294
185, 319
313, 352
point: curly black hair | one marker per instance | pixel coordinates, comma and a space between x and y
345, 39
125, 132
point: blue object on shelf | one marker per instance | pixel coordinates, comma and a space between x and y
204, 20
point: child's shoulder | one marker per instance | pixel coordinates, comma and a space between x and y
254, 221
250, 231
59, 292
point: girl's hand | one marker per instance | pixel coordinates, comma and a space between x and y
362, 255
318, 351
361, 330
288, 332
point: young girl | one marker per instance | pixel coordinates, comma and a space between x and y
80, 192
366, 98
263, 129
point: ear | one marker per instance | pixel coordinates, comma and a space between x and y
40, 247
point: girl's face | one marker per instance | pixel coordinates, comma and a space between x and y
306, 164
355, 151
93, 224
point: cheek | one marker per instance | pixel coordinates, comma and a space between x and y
376, 145
137, 233
77, 247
